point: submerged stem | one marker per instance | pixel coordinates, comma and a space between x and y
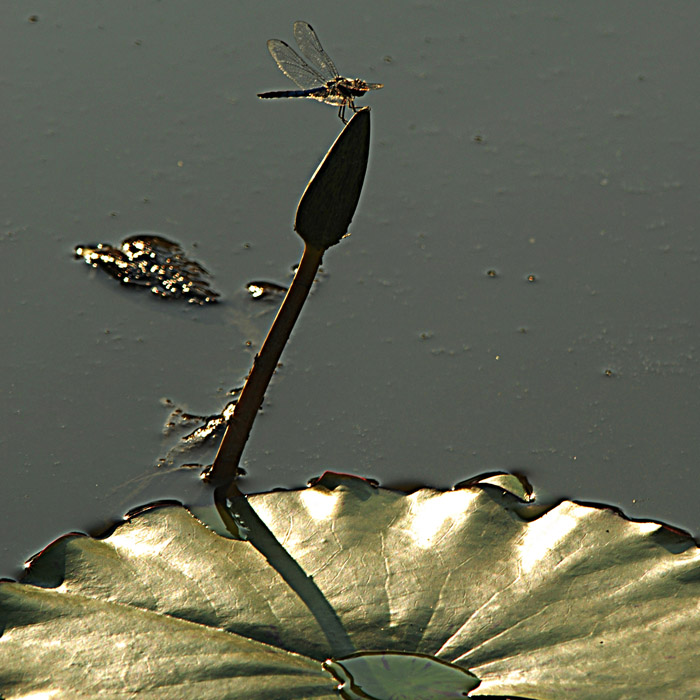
235, 510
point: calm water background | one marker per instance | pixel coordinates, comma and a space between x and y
536, 138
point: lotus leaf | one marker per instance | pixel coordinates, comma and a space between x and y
572, 601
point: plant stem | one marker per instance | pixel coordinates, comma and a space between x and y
322, 219
224, 470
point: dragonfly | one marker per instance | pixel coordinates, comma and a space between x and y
317, 76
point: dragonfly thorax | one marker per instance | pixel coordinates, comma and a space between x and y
340, 91
352, 87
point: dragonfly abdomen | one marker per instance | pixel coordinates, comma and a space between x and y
283, 93
291, 93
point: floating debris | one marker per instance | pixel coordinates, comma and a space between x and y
265, 291
151, 261
272, 292
198, 435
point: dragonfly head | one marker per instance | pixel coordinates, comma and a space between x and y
359, 87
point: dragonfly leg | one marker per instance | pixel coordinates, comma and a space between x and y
341, 113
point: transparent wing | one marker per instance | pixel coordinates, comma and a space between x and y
311, 48
294, 66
